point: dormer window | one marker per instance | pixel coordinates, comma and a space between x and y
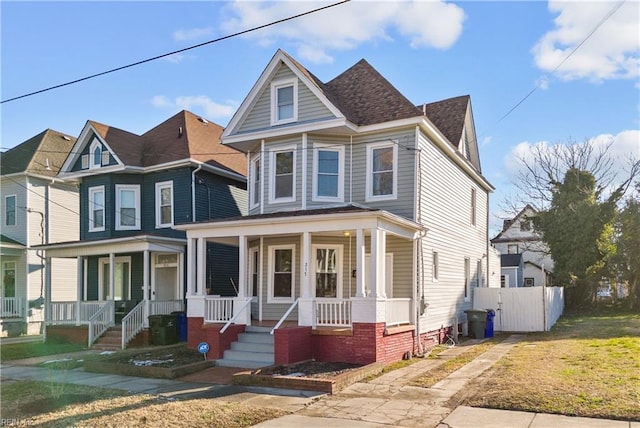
95, 154
284, 104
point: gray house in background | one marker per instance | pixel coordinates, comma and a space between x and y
512, 268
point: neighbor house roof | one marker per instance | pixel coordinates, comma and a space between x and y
42, 154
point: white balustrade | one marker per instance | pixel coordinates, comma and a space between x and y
11, 307
332, 313
218, 309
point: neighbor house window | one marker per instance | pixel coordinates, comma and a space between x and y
512, 248
382, 171
328, 173
164, 204
503, 281
283, 179
284, 105
255, 178
96, 209
127, 207
529, 282
281, 273
436, 267
10, 210
467, 279
8, 281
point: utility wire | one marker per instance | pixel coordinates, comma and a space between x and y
176, 52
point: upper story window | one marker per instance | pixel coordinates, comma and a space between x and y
255, 182
473, 207
284, 101
10, 210
127, 207
283, 178
467, 280
382, 171
164, 204
328, 173
512, 248
96, 209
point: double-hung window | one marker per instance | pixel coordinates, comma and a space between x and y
328, 173
96, 209
284, 105
10, 210
255, 177
164, 204
282, 273
127, 207
382, 171
283, 178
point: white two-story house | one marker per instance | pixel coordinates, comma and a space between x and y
367, 224
36, 208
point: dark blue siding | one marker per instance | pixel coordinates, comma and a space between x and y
219, 197
222, 266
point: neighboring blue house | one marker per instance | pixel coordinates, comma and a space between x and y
133, 190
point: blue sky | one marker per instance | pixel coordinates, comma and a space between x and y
497, 52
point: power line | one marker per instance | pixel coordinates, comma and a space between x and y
176, 52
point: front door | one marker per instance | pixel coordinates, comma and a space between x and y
327, 264
165, 280
121, 279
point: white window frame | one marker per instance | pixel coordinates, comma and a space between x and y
272, 175
435, 265
275, 86
515, 246
370, 197
15, 210
467, 279
159, 187
255, 179
317, 148
339, 257
94, 144
101, 285
91, 209
271, 269
136, 189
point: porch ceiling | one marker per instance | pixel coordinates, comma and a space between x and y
119, 245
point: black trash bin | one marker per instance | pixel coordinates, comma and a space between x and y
477, 322
163, 329
181, 325
488, 329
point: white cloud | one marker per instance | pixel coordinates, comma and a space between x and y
192, 34
612, 52
200, 103
175, 58
423, 23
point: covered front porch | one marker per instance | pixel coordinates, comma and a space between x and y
327, 271
119, 282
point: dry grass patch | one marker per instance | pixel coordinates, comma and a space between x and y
587, 366
36, 403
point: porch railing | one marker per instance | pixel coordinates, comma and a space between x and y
398, 311
218, 309
65, 312
284, 317
332, 313
133, 323
12, 307
235, 315
164, 307
101, 321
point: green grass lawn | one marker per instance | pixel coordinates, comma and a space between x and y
19, 351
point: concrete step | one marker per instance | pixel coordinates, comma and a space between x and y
265, 338
257, 329
252, 347
248, 356
243, 364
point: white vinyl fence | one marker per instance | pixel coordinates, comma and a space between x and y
523, 308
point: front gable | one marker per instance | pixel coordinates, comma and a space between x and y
91, 154
285, 95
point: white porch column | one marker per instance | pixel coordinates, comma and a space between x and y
201, 268
79, 287
112, 274
242, 266
360, 252
377, 265
305, 304
47, 292
191, 263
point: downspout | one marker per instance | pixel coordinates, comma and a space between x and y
193, 192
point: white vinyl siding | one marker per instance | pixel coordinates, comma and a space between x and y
127, 207
64, 224
96, 209
328, 173
164, 204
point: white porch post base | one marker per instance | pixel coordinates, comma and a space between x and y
366, 309
305, 312
195, 306
244, 317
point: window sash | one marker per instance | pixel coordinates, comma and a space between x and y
10, 210
96, 209
127, 210
328, 173
382, 171
285, 102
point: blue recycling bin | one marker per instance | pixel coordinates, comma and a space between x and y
488, 329
181, 325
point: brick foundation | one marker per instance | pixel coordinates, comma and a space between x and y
198, 331
292, 345
68, 334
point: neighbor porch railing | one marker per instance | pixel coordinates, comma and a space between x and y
398, 311
12, 307
332, 313
164, 307
218, 309
101, 321
66, 312
133, 323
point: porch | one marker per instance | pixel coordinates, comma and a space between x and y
12, 307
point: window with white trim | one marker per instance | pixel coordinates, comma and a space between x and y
255, 179
328, 173
10, 210
95, 154
281, 273
284, 101
283, 177
8, 280
164, 204
127, 207
121, 278
96, 209
382, 171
